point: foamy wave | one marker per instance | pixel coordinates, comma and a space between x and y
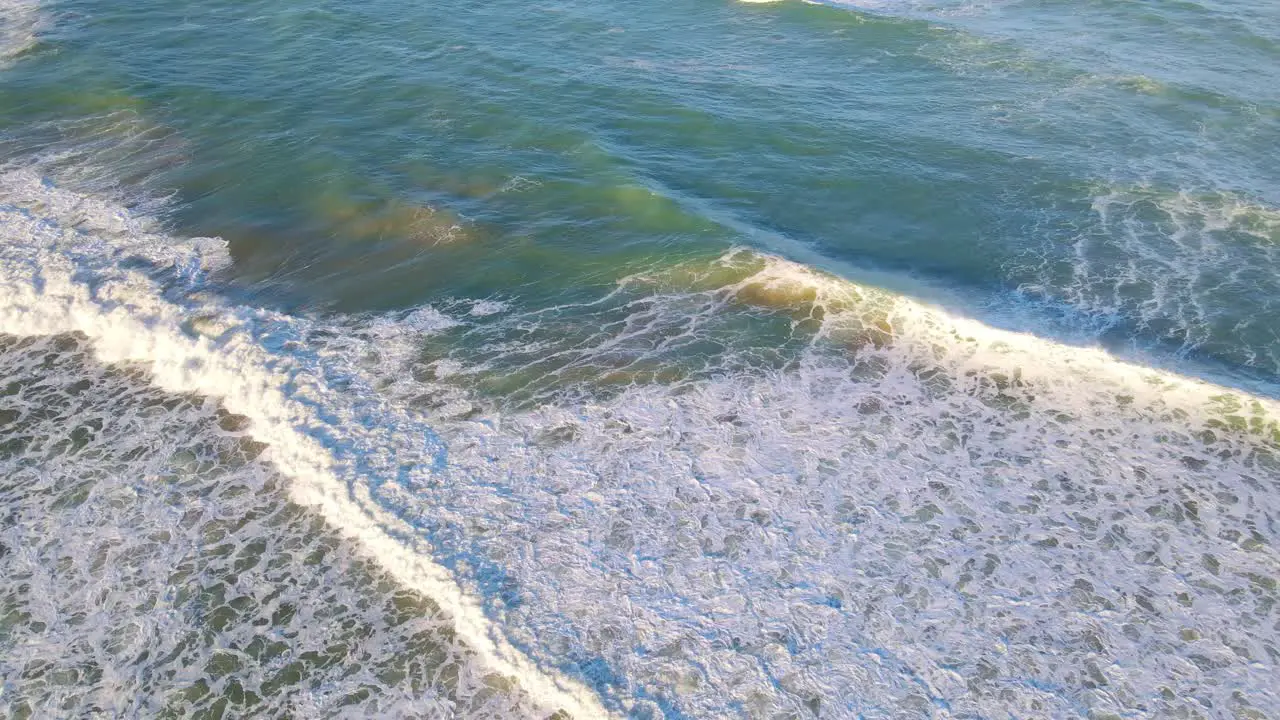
893, 511
72, 264
152, 566
20, 23
935, 8
1192, 271
918, 515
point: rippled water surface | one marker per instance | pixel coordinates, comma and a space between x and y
689, 359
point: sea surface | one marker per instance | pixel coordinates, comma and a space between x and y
676, 359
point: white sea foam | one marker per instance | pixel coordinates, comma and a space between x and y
73, 264
1189, 269
924, 516
151, 566
916, 7
916, 515
20, 24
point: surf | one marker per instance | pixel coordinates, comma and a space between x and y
68, 278
679, 476
893, 420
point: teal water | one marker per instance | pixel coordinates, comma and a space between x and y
698, 359
1114, 166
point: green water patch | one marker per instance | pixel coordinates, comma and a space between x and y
543, 153
696, 317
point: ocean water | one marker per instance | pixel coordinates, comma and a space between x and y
692, 359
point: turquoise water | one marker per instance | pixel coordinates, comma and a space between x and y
692, 359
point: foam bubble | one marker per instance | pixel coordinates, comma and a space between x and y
481, 308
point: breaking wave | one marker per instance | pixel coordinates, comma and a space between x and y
632, 504
76, 265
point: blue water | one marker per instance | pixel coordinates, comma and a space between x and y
699, 359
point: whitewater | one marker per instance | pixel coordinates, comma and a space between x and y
979, 496
614, 505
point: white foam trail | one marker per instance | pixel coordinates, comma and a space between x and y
62, 270
1193, 270
959, 7
157, 561
856, 533
20, 23
924, 515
